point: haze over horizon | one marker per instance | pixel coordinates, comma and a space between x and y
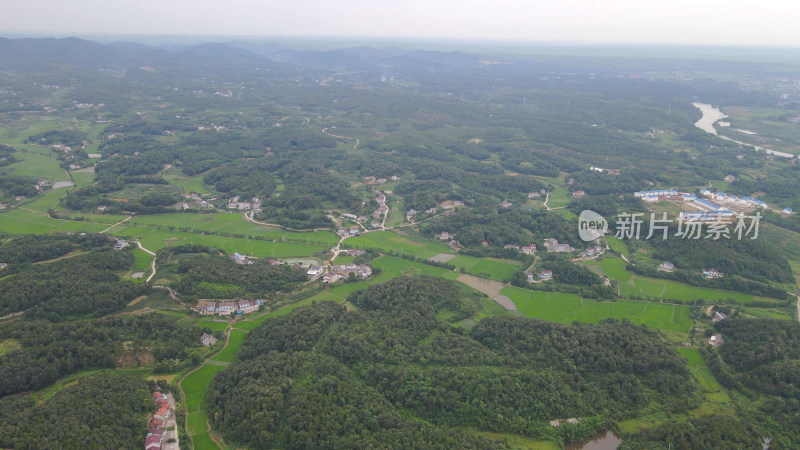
681, 22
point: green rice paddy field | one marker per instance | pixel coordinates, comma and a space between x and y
566, 308
497, 269
699, 369
232, 223
390, 241
633, 285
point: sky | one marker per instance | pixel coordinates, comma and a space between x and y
695, 22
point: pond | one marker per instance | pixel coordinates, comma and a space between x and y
602, 441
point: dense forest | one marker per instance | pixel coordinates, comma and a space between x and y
83, 285
22, 249
699, 433
500, 226
761, 360
398, 354
100, 411
200, 273
48, 351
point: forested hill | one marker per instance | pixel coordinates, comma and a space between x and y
395, 370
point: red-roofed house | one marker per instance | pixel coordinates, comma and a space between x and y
152, 442
162, 413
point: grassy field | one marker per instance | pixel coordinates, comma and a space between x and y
196, 384
37, 162
497, 269
189, 184
559, 197
203, 442
614, 268
390, 241
566, 308
618, 245
633, 285
143, 260
234, 344
232, 223
699, 369
214, 325
21, 221
154, 240
196, 423
82, 179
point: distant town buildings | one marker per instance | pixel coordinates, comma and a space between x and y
716, 340
579, 194
712, 273
506, 204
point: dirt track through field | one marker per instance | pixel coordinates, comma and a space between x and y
489, 287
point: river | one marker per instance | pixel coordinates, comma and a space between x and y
711, 115
603, 441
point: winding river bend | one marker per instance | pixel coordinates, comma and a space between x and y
711, 115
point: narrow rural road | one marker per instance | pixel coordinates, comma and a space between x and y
324, 130
172, 292
547, 201
248, 217
152, 263
118, 223
798, 306
17, 314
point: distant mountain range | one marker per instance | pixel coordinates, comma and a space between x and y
18, 53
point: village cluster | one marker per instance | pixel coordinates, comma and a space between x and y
667, 266
376, 223
158, 432
341, 272
212, 308
445, 206
254, 205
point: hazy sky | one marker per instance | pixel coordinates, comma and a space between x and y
711, 22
